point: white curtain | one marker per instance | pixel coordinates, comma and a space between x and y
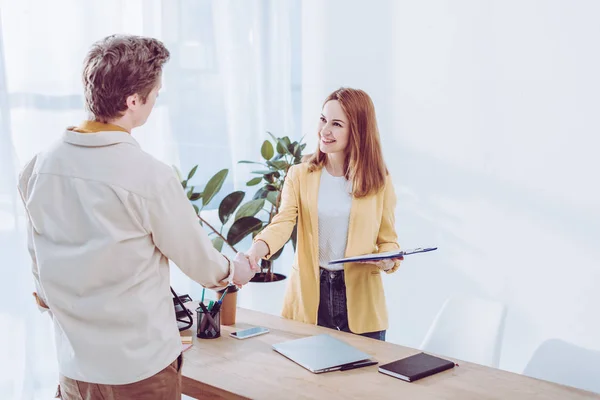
228, 82
255, 57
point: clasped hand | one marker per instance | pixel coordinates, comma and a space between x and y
244, 269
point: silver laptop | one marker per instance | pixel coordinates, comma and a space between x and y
321, 353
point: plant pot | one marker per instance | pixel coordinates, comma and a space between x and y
229, 306
264, 296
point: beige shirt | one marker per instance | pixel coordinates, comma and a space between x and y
104, 218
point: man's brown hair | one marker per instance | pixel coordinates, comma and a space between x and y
119, 66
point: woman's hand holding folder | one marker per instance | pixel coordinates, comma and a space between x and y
384, 264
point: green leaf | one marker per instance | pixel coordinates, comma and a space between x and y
229, 204
213, 186
251, 162
190, 192
272, 197
281, 144
263, 172
261, 194
271, 188
242, 228
218, 243
250, 209
184, 184
196, 208
296, 150
195, 196
281, 148
267, 150
279, 164
254, 181
287, 143
271, 178
192, 172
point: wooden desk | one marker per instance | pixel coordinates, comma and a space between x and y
228, 368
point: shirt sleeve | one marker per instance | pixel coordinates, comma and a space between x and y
177, 233
387, 238
23, 186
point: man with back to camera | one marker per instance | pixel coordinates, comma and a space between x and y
104, 218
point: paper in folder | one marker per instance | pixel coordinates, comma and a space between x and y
382, 256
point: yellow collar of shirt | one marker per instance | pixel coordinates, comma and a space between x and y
95, 126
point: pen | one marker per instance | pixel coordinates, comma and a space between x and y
209, 316
357, 365
223, 296
217, 305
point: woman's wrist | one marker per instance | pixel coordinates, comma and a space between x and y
258, 250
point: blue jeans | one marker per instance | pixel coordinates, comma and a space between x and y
333, 312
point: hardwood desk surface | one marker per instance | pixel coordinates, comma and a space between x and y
229, 368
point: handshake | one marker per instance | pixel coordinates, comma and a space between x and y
245, 266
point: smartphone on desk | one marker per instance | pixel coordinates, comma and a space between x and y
250, 332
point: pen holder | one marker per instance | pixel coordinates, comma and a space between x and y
208, 325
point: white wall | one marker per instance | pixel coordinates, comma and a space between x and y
489, 117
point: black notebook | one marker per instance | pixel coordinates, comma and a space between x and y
416, 367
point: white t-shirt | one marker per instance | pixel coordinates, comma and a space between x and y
335, 200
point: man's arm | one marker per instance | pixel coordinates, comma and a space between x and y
177, 233
40, 298
23, 186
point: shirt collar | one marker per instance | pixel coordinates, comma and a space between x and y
88, 126
98, 134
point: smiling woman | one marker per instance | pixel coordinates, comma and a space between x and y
344, 202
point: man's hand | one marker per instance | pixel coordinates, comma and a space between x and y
242, 272
39, 301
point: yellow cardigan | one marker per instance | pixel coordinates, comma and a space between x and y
370, 230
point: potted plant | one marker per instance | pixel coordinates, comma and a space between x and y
277, 161
238, 220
